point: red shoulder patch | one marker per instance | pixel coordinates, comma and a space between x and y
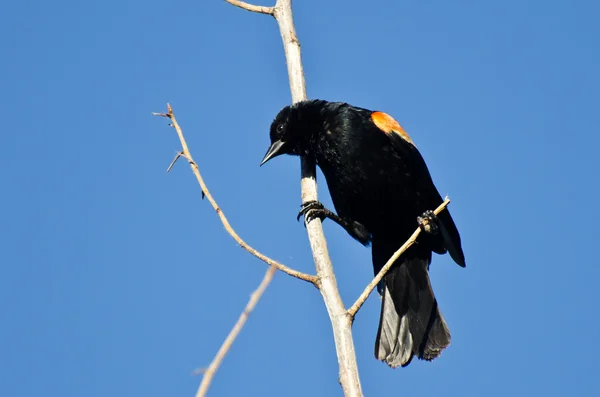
387, 124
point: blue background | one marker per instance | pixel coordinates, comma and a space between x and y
117, 280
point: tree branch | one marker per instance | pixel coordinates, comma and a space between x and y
340, 320
185, 152
251, 7
411, 240
209, 373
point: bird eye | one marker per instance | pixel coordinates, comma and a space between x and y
280, 128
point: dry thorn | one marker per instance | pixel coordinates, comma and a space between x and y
174, 161
411, 240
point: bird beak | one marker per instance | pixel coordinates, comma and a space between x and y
273, 151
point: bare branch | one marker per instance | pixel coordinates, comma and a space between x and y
185, 152
251, 7
411, 240
214, 365
341, 322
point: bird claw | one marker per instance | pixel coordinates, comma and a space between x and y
311, 210
428, 222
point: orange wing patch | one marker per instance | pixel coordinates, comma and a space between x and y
387, 124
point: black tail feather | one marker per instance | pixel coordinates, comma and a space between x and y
410, 322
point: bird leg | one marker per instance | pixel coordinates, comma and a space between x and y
315, 209
428, 222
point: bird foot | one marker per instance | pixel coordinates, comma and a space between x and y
312, 210
428, 222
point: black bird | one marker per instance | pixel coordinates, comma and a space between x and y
382, 191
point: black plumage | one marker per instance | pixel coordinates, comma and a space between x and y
380, 186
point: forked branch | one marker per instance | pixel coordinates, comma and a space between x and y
185, 152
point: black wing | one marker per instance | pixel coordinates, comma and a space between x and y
407, 149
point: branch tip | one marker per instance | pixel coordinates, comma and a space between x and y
252, 7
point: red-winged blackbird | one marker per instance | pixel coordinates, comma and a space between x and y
382, 190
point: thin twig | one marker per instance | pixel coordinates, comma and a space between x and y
251, 7
174, 161
185, 152
411, 240
214, 365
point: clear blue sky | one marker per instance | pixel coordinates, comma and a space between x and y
118, 281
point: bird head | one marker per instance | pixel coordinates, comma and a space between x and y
282, 134
293, 128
